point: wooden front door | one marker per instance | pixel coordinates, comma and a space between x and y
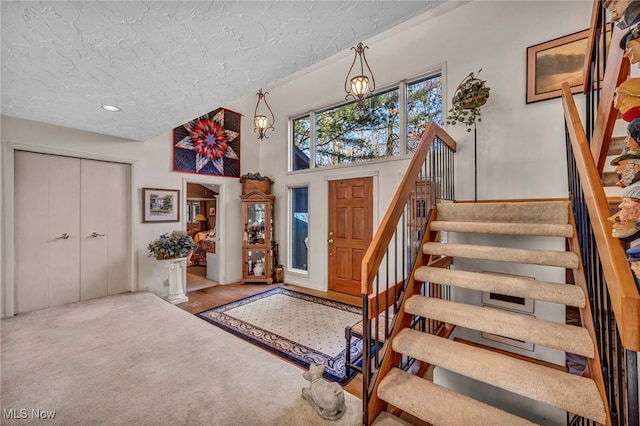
350, 231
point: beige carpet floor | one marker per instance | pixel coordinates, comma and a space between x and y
134, 359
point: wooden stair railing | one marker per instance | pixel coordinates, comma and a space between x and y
433, 162
616, 71
586, 318
621, 286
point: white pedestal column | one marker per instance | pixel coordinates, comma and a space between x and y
177, 276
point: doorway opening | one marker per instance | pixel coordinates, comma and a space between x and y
201, 222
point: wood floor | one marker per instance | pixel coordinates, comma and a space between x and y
216, 295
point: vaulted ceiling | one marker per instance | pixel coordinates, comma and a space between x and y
164, 62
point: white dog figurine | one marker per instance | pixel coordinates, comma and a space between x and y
327, 398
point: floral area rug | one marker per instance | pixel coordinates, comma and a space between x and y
299, 327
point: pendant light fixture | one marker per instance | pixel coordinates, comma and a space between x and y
358, 84
260, 119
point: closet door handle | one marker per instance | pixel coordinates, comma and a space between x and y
63, 236
95, 234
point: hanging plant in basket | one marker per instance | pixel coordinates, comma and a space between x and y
470, 95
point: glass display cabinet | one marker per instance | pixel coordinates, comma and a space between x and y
257, 219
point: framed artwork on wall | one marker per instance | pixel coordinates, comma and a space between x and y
212, 211
551, 63
160, 205
209, 145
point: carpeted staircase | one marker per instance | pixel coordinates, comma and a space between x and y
440, 406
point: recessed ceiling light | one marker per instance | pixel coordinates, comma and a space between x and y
111, 108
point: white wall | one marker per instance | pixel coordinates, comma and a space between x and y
521, 150
151, 168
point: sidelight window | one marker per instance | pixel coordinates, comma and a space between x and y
299, 243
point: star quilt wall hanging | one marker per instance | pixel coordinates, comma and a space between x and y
209, 145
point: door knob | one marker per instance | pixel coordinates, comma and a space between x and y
63, 236
95, 234
330, 240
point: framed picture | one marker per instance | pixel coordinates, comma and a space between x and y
212, 211
160, 205
552, 63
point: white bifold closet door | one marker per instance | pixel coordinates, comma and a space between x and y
104, 230
71, 230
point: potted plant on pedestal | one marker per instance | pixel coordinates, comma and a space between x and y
175, 248
171, 246
470, 95
255, 182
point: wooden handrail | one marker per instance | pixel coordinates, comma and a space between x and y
596, 16
374, 255
376, 405
616, 71
586, 319
624, 295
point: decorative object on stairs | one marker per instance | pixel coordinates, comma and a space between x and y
470, 95
626, 222
299, 327
626, 99
627, 166
631, 44
209, 145
255, 182
624, 13
260, 119
633, 136
327, 398
175, 248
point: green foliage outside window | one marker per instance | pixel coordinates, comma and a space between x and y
349, 134
424, 104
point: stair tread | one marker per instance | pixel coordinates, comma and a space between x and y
530, 212
568, 392
609, 178
506, 228
438, 405
564, 337
388, 419
616, 145
564, 259
570, 295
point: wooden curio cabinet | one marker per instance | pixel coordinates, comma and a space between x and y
257, 219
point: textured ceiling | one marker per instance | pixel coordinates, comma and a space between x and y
164, 62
